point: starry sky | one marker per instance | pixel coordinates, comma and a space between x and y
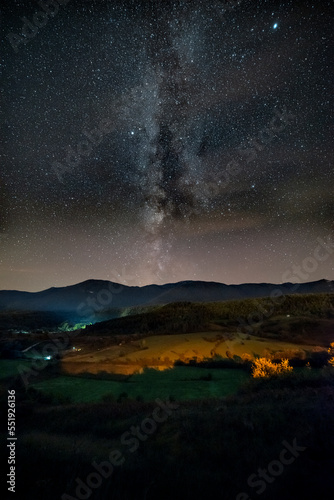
159, 141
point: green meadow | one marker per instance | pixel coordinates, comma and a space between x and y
181, 383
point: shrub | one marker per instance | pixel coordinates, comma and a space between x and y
246, 357
318, 357
264, 368
331, 352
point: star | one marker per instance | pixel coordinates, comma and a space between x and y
133, 130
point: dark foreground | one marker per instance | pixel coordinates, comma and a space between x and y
273, 440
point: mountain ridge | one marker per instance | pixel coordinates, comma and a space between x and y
97, 295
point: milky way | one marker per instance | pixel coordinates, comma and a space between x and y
150, 142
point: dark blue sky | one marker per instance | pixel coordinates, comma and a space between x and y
149, 142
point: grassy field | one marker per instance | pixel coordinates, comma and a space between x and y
181, 383
204, 345
10, 367
161, 351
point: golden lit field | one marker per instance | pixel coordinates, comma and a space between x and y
160, 351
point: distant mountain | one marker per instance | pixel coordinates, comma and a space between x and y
92, 297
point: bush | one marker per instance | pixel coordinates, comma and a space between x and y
318, 357
246, 358
264, 368
331, 352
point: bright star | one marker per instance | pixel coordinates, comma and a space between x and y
275, 26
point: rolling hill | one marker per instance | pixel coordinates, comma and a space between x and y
90, 297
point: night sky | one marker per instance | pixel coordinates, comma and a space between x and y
159, 141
